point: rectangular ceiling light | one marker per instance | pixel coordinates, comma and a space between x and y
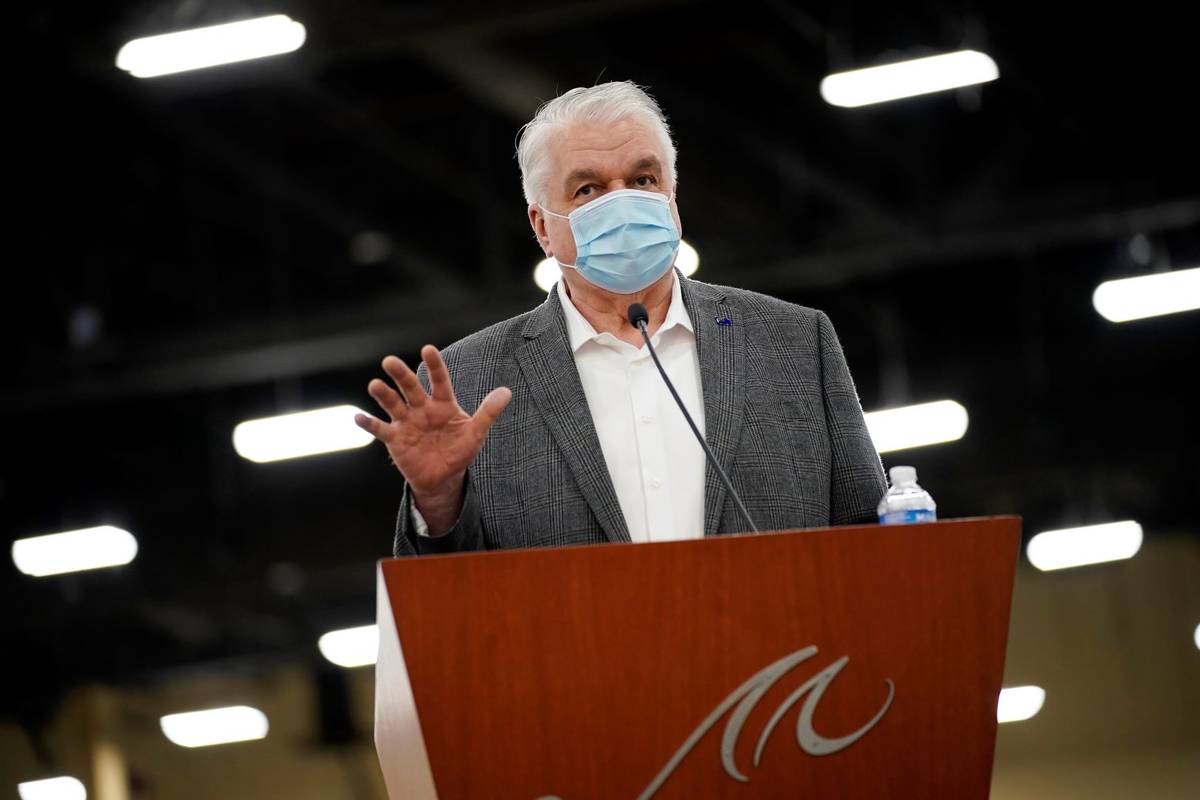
306, 433
1148, 295
211, 46
64, 788
351, 647
1092, 544
1019, 703
917, 426
74, 551
215, 726
862, 87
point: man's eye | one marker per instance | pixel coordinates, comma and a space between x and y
584, 191
646, 180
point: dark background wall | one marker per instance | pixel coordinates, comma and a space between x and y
191, 251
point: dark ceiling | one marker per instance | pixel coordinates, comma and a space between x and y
196, 250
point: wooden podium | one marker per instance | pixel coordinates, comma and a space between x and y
858, 662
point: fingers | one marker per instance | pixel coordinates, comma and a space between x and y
376, 427
387, 399
406, 379
491, 408
439, 376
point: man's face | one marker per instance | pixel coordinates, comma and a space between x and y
589, 160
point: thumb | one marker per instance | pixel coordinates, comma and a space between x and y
491, 408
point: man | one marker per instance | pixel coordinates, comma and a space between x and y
592, 448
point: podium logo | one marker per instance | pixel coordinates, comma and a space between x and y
746, 697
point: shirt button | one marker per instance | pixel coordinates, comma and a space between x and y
646, 419
656, 483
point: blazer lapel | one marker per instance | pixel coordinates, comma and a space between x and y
548, 365
719, 338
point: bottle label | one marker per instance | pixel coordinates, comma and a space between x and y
907, 517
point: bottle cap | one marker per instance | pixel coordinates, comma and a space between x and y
903, 475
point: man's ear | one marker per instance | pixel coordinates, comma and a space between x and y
537, 221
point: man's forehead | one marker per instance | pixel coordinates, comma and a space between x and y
595, 146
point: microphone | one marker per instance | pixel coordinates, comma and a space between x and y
638, 319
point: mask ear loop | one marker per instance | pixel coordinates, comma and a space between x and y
552, 213
560, 216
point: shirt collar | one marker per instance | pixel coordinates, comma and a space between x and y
580, 331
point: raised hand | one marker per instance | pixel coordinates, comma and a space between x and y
430, 438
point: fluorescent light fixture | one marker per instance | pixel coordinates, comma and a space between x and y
210, 46
861, 87
547, 271
1019, 703
351, 647
64, 788
215, 726
1091, 544
74, 551
1148, 295
306, 433
688, 260
917, 426
546, 274
1196, 637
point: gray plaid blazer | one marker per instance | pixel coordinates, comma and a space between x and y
781, 415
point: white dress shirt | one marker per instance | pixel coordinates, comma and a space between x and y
656, 465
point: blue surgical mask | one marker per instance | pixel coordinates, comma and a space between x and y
624, 240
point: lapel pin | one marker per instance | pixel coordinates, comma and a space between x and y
726, 321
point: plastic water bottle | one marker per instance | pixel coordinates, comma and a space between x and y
906, 502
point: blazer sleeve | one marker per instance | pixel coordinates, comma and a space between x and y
466, 533
856, 481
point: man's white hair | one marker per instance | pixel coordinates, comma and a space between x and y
604, 103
